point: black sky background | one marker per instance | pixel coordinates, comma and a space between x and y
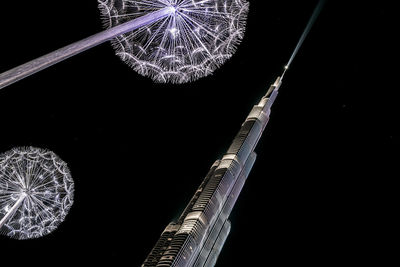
320, 191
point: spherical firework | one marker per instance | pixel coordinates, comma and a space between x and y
190, 43
36, 192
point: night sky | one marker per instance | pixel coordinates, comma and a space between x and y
322, 183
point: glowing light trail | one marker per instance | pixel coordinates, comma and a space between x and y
310, 24
36, 65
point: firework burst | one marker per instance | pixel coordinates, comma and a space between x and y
190, 43
36, 192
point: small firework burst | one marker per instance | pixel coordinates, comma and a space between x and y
36, 192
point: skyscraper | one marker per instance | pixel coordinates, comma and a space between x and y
197, 237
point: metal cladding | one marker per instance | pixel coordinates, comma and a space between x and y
197, 237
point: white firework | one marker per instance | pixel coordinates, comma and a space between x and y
188, 44
36, 192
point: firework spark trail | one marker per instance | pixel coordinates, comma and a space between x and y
36, 192
36, 65
310, 24
11, 211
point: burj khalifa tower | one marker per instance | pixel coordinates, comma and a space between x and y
197, 237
